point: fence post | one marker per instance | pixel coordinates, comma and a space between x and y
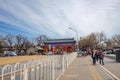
63, 63
25, 72
3, 73
53, 71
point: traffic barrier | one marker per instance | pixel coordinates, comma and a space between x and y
50, 68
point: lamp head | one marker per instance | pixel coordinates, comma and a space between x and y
69, 28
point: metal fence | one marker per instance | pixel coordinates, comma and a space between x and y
50, 68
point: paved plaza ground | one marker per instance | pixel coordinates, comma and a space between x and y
83, 69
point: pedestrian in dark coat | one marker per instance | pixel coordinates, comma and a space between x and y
93, 55
97, 55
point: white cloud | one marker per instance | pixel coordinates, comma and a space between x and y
55, 16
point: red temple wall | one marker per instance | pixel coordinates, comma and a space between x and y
65, 48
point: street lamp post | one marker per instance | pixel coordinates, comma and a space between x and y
76, 35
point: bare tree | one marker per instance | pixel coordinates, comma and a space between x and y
22, 44
116, 39
40, 40
109, 43
88, 41
93, 40
26, 44
10, 41
19, 43
101, 38
2, 43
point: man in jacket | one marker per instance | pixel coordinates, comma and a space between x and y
101, 57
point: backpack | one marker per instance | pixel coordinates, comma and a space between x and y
101, 55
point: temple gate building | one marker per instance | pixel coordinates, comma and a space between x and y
59, 46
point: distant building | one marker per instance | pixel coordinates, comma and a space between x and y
58, 46
35, 50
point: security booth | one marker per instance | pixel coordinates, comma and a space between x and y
118, 55
116, 50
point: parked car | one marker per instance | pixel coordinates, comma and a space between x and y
10, 54
105, 52
1, 54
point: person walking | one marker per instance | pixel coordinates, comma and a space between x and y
93, 55
97, 55
101, 57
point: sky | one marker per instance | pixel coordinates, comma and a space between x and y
54, 17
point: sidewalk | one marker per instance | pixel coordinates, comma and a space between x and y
81, 69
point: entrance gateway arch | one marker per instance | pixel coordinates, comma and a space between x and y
60, 45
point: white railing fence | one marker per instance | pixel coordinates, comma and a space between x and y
50, 68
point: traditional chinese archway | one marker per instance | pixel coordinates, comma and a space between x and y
59, 46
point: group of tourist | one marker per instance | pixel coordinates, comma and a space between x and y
97, 55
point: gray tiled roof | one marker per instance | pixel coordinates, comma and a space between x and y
60, 40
